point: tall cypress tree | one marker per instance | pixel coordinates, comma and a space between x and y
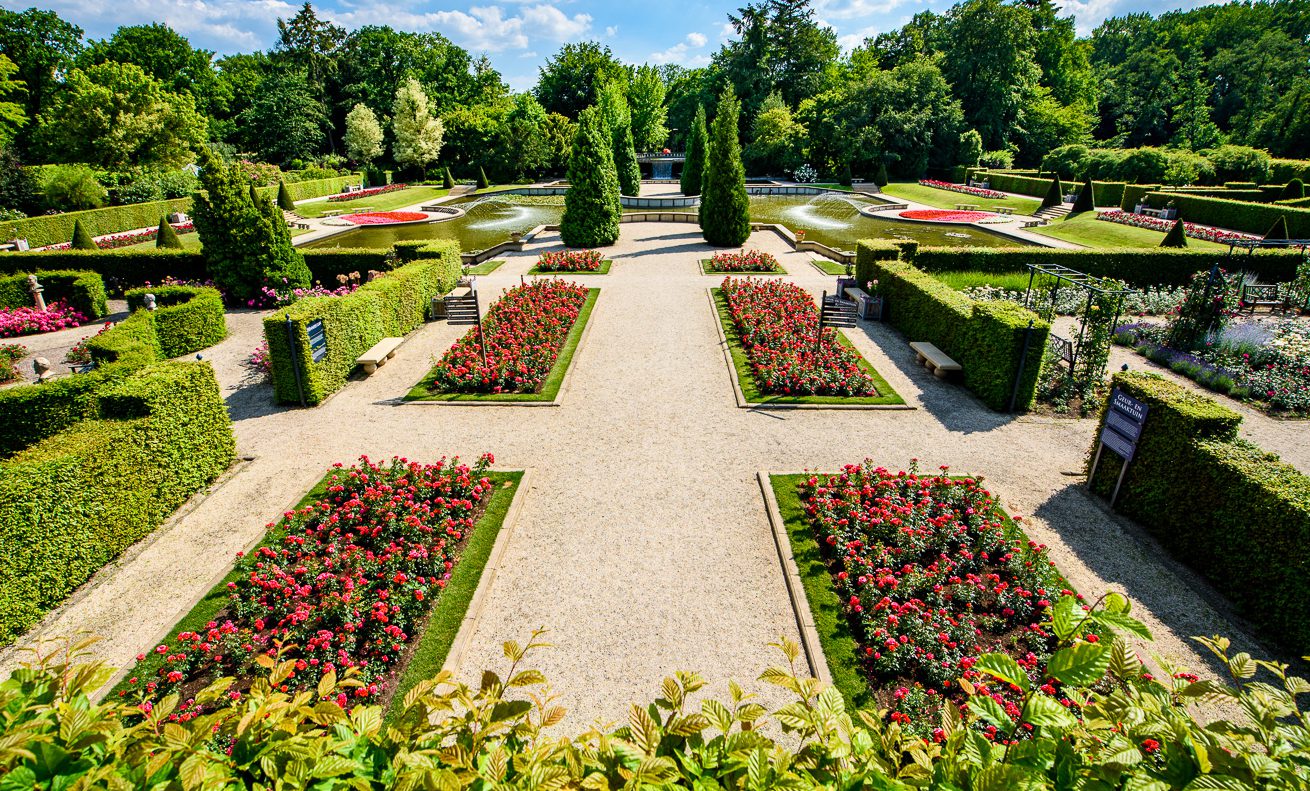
591, 206
693, 170
725, 217
166, 237
246, 242
1086, 198
625, 161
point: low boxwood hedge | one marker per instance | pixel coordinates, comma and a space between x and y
1236, 215
75, 501
83, 291
389, 306
1233, 512
186, 319
986, 338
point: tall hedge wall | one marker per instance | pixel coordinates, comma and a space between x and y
1137, 267
390, 306
119, 268
1254, 218
1108, 193
1224, 507
83, 291
1135, 194
74, 502
986, 338
1285, 170
1022, 185
186, 319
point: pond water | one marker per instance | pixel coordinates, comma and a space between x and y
830, 219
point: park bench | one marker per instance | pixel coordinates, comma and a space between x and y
377, 356
333, 212
934, 359
966, 206
1005, 210
1033, 223
1262, 295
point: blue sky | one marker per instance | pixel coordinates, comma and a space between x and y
519, 34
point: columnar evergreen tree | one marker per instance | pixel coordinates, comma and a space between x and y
1054, 194
284, 200
725, 218
166, 237
1177, 236
1279, 229
880, 177
625, 161
482, 178
591, 205
246, 241
1086, 198
82, 239
693, 170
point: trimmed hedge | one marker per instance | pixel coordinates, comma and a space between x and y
986, 338
83, 291
186, 320
1236, 215
1233, 512
390, 306
1023, 185
324, 265
1135, 194
73, 503
1285, 170
316, 188
1296, 202
32, 413
119, 268
1137, 267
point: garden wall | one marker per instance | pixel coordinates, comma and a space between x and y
83, 291
1233, 512
390, 306
1145, 267
1256, 218
74, 502
986, 338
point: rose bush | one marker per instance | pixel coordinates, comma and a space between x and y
744, 261
1192, 230
117, 240
342, 585
570, 261
10, 354
523, 331
932, 577
779, 323
977, 192
30, 321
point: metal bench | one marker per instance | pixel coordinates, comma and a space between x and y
377, 356
1262, 295
934, 359
1033, 223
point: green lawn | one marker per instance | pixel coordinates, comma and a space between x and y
190, 241
960, 280
1086, 230
443, 620
604, 270
750, 389
829, 266
945, 199
549, 389
484, 268
386, 202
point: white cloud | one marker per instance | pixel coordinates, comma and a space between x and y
486, 28
611, 31
679, 53
855, 9
226, 25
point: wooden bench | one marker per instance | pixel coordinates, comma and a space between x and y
1260, 295
934, 359
855, 294
377, 356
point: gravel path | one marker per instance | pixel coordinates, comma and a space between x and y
643, 543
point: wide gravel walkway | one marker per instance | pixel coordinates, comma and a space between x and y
643, 543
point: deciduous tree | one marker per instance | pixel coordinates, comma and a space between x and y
363, 137
418, 136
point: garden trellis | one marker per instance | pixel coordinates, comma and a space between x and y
1088, 354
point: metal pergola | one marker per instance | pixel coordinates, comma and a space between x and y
1091, 285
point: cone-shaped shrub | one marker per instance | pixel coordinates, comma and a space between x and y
880, 176
1177, 236
166, 237
246, 241
482, 178
1054, 195
693, 170
1086, 198
625, 161
725, 217
1293, 190
284, 201
82, 239
446, 181
1279, 229
591, 206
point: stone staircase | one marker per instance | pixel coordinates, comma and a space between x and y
462, 308
1053, 213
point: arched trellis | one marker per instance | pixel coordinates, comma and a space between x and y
1086, 355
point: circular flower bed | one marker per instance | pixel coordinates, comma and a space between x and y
385, 217
946, 215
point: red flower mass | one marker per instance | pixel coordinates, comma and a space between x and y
570, 261
946, 215
385, 217
744, 261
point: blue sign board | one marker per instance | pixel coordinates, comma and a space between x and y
317, 340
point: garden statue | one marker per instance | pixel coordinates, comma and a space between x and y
43, 370
36, 288
149, 301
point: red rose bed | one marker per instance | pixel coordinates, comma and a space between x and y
385, 217
946, 215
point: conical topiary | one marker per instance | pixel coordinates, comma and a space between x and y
254, 195
166, 237
1177, 236
82, 239
880, 176
446, 181
625, 162
1279, 229
1086, 198
284, 201
482, 178
725, 218
1294, 189
591, 205
693, 169
1054, 195
846, 178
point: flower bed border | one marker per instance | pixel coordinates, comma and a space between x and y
445, 620
746, 389
551, 389
604, 270
706, 269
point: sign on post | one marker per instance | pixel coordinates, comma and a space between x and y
317, 340
1123, 428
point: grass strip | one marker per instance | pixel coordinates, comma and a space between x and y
484, 268
604, 270
387, 201
750, 388
707, 268
1088, 231
549, 389
829, 267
